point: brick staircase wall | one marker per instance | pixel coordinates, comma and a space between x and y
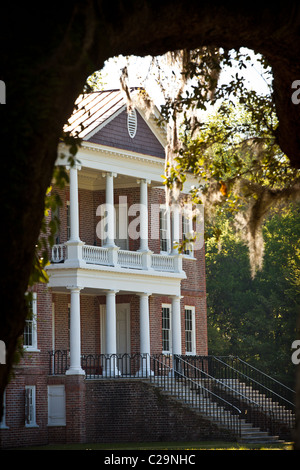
135, 411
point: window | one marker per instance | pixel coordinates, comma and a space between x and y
189, 323
187, 225
30, 330
132, 123
121, 223
2, 422
30, 406
164, 229
56, 405
166, 328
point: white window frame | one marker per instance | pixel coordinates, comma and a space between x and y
192, 332
121, 224
168, 330
30, 406
31, 325
187, 232
56, 405
165, 231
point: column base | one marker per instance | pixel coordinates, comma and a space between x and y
75, 371
110, 369
142, 373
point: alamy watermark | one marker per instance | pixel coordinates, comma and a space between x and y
296, 94
2, 352
296, 354
174, 222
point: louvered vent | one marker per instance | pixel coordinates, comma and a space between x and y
132, 123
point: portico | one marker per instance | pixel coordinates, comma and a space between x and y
123, 254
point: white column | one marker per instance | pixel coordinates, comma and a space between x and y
75, 342
74, 245
176, 325
144, 215
110, 209
111, 333
144, 334
175, 227
111, 337
176, 224
74, 209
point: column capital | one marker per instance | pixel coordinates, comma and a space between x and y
143, 180
109, 173
75, 288
76, 166
111, 291
176, 297
144, 294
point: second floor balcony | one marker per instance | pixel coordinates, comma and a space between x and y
141, 235
114, 256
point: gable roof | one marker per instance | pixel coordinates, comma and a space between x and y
94, 110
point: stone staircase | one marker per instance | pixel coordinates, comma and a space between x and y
225, 415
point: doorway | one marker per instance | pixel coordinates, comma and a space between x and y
122, 328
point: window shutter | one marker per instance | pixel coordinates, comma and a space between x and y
30, 405
56, 405
28, 393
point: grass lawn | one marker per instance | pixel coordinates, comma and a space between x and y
209, 445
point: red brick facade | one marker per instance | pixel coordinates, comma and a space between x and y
53, 326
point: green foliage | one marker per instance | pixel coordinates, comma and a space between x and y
94, 82
255, 318
50, 223
233, 152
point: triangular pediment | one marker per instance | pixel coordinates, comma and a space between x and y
102, 118
117, 134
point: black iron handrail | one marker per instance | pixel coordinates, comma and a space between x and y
172, 379
289, 391
251, 410
116, 365
278, 407
59, 361
220, 368
209, 374
97, 366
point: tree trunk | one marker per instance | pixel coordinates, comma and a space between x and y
45, 58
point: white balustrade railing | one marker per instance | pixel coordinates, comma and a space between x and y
95, 254
58, 253
125, 259
130, 259
162, 263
